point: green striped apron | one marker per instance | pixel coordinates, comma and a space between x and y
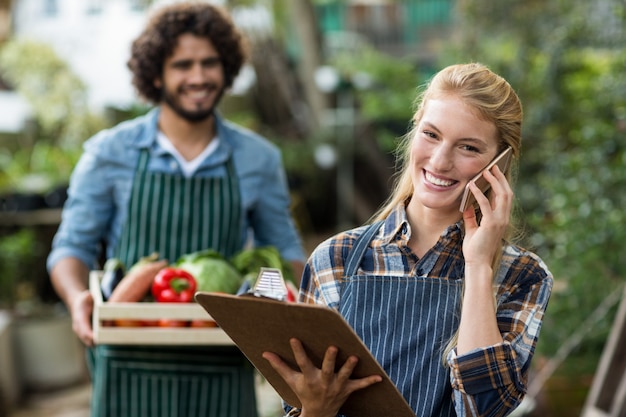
174, 215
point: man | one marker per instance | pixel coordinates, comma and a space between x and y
177, 180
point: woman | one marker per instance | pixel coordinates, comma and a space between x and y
448, 306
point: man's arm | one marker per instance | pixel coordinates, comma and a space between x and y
70, 280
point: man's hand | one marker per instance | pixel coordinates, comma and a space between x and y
81, 308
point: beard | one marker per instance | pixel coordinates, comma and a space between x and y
192, 116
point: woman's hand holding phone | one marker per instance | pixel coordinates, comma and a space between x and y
483, 240
502, 161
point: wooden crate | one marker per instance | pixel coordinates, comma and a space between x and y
104, 312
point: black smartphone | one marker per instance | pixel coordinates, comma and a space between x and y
502, 160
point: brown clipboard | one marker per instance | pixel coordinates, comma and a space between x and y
259, 324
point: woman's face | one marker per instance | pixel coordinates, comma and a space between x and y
451, 144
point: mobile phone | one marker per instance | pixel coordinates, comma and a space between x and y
502, 160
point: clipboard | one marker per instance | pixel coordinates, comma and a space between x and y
258, 324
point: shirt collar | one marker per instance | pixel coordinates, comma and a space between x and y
397, 224
148, 139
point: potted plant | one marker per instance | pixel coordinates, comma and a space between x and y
46, 353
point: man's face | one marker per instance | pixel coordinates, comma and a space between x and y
193, 79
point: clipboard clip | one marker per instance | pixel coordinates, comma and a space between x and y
269, 284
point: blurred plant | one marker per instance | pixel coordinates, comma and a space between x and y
36, 169
17, 251
385, 88
58, 99
569, 73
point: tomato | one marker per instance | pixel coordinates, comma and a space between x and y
173, 323
292, 292
203, 323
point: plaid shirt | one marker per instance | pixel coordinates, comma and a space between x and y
489, 381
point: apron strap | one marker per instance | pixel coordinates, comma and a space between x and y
358, 249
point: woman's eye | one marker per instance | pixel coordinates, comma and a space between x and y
430, 134
470, 148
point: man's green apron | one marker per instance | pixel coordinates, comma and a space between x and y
174, 215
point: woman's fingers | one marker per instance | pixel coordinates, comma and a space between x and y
301, 357
361, 383
482, 240
327, 369
502, 194
322, 390
279, 366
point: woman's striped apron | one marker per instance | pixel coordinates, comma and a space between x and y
406, 322
174, 215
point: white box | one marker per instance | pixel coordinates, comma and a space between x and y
110, 335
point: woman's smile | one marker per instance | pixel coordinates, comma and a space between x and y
438, 180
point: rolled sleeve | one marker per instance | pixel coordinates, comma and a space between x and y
484, 370
491, 381
486, 382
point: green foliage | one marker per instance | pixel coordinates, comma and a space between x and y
582, 217
393, 86
17, 251
44, 158
57, 96
36, 169
386, 102
571, 80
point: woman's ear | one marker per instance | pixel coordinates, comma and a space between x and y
157, 83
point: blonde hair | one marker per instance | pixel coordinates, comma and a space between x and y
494, 100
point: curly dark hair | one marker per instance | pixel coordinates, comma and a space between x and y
159, 39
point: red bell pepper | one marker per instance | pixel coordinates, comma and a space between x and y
173, 285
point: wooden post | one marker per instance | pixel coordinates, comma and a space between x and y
607, 397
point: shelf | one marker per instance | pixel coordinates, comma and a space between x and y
43, 217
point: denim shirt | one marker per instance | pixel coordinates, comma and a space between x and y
100, 187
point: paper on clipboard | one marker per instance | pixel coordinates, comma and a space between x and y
259, 324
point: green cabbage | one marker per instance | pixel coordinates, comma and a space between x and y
212, 272
249, 262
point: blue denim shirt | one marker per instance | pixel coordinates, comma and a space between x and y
100, 186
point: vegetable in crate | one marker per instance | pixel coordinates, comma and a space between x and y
173, 285
249, 262
112, 274
137, 282
212, 272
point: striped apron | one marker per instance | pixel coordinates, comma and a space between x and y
174, 215
406, 322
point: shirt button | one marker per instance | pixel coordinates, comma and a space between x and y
173, 165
